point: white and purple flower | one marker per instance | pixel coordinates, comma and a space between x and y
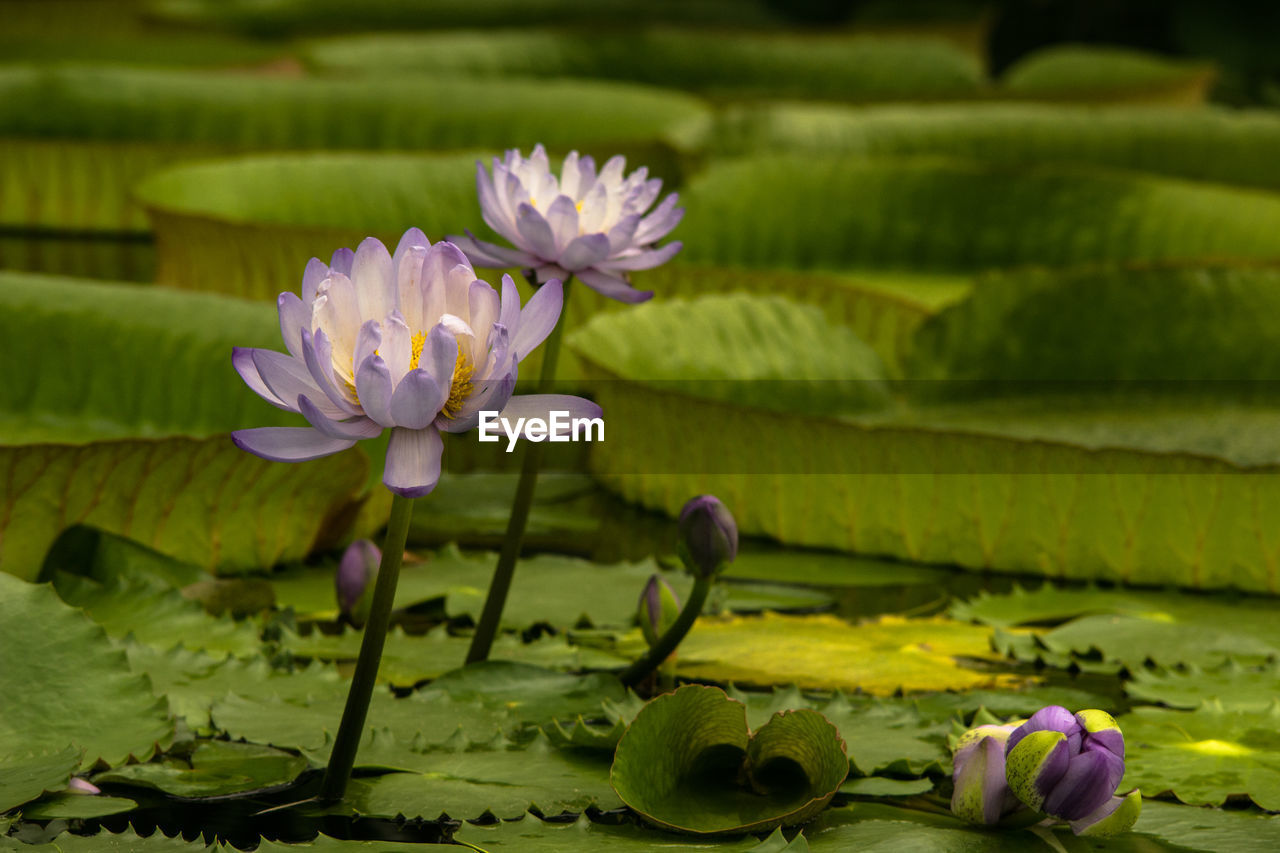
591, 225
412, 343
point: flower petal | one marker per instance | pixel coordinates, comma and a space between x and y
622, 235
483, 254
242, 361
570, 175
541, 406
397, 347
585, 251
373, 384
288, 444
345, 430
562, 217
287, 378
413, 461
1035, 765
316, 272
483, 308
341, 262
294, 317
509, 315
643, 260
417, 400
535, 233
373, 280
659, 223
612, 286
318, 356
1090, 781
1117, 815
538, 318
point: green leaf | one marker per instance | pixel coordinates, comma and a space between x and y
64, 683
1211, 830
689, 763
25, 776
1231, 685
781, 64
503, 780
132, 441
1214, 322
531, 835
77, 807
957, 216
823, 568
214, 768
106, 842
524, 693
1129, 489
879, 657
1204, 756
878, 786
1162, 141
1102, 72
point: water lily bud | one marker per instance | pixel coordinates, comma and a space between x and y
982, 795
708, 536
354, 580
1065, 765
1117, 815
82, 786
658, 610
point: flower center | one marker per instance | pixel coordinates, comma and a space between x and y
415, 353
460, 388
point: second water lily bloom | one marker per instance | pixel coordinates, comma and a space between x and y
981, 792
410, 342
595, 225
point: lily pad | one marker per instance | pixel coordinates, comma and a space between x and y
63, 682
525, 693
688, 762
77, 807
213, 768
1234, 687
24, 777
880, 657
531, 835
879, 786
1204, 756
1211, 830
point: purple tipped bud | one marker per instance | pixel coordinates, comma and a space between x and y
354, 580
982, 795
1066, 765
82, 786
1115, 816
659, 608
708, 536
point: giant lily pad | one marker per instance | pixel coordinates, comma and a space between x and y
1093, 72
1206, 755
688, 762
26, 777
64, 683
133, 441
213, 768
1231, 685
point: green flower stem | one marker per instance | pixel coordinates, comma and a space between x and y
668, 642
345, 745
491, 615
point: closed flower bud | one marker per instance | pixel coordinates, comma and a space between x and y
82, 786
1068, 765
982, 795
658, 609
708, 536
354, 580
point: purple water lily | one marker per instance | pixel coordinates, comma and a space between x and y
708, 535
413, 343
981, 793
594, 226
1069, 766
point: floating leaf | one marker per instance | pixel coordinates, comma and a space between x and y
822, 652
214, 768
25, 777
1231, 685
63, 682
1104, 72
878, 786
1212, 830
107, 842
1148, 139
524, 693
531, 835
688, 762
502, 779
77, 807
1206, 755
132, 441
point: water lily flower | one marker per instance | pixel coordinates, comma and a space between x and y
708, 536
353, 581
982, 794
593, 225
82, 786
413, 343
1069, 766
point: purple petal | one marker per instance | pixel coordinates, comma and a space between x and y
342, 261
288, 444
352, 430
489, 395
613, 169
417, 400
288, 378
484, 254
623, 234
585, 251
294, 317
373, 385
613, 287
440, 356
413, 461
658, 223
242, 361
413, 238
542, 405
538, 318
645, 196
315, 273
358, 566
373, 280
509, 315
1054, 718
535, 233
1089, 782
643, 260
562, 217
367, 341
319, 359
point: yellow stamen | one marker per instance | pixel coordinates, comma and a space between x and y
460, 389
579, 206
415, 353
